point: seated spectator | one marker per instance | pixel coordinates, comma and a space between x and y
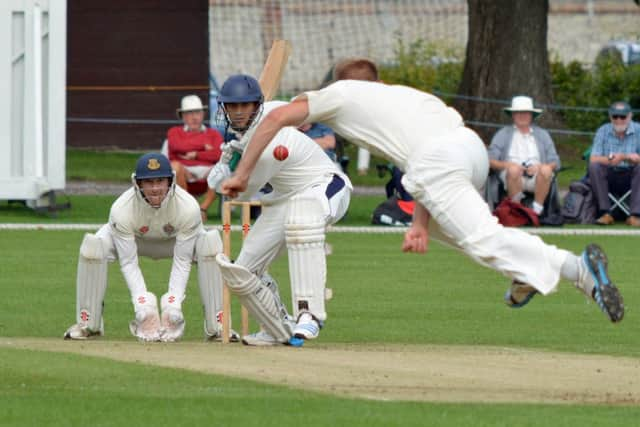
613, 164
193, 148
524, 155
323, 136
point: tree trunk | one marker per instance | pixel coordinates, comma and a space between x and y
506, 56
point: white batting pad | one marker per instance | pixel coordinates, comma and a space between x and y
146, 326
305, 233
259, 300
208, 246
172, 319
91, 283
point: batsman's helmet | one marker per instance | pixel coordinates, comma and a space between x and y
153, 165
240, 88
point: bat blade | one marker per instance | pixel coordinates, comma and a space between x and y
274, 68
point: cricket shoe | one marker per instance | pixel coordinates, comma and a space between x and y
519, 294
263, 339
604, 292
260, 339
81, 331
217, 336
307, 327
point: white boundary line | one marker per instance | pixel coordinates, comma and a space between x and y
550, 231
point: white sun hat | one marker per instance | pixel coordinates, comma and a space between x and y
522, 104
190, 103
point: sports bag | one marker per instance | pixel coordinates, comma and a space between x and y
579, 206
513, 214
393, 212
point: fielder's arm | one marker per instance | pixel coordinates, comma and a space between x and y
292, 114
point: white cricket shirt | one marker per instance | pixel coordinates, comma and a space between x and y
391, 121
304, 165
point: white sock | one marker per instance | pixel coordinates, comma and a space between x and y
572, 269
537, 208
517, 197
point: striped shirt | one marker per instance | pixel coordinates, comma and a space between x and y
607, 142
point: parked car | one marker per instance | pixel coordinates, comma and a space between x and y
626, 51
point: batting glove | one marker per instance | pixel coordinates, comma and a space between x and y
219, 173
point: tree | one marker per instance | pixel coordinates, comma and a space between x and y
506, 55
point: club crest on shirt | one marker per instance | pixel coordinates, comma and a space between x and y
143, 229
280, 152
169, 229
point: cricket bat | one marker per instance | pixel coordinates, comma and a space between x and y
274, 68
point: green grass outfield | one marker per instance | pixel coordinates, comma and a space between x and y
381, 296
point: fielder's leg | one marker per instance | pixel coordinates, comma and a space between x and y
305, 233
259, 300
208, 246
91, 285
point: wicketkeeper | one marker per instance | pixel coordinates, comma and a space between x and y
309, 193
157, 219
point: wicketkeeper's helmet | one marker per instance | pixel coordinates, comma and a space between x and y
153, 165
240, 89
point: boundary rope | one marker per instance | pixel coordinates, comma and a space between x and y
599, 231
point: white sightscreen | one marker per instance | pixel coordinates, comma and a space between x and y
32, 101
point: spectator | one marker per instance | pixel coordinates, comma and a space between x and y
193, 148
323, 136
613, 164
523, 154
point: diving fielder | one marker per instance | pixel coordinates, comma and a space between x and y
445, 166
309, 193
158, 219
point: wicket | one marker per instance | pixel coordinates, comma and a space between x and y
226, 245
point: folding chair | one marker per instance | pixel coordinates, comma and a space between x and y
618, 201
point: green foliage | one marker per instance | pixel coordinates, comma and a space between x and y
91, 165
426, 66
575, 85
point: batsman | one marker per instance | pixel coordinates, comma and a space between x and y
157, 219
309, 193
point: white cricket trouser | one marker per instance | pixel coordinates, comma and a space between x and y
267, 238
446, 178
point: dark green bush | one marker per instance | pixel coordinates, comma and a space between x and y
575, 85
436, 67
426, 66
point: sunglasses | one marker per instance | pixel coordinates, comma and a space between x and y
618, 117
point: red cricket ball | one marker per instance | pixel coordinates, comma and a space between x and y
280, 152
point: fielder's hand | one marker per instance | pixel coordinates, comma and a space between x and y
416, 239
233, 186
